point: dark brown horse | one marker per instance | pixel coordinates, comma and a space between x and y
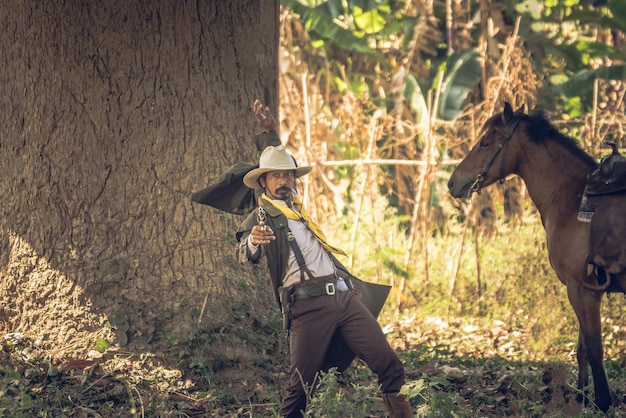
555, 171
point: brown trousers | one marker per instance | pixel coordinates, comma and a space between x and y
314, 322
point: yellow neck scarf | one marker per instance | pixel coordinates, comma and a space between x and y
313, 227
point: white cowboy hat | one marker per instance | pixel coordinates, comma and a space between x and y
273, 159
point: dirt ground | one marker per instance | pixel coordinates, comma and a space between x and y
459, 358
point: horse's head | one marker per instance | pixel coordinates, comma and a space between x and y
484, 164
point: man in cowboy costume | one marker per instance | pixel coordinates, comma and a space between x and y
323, 312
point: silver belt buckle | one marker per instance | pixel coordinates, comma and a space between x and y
330, 289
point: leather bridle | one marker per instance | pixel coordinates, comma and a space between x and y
480, 177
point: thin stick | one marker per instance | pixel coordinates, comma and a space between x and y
613, 116
307, 130
458, 263
370, 147
479, 281
206, 298
140, 402
380, 161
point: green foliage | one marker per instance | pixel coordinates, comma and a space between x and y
380, 234
15, 399
614, 19
102, 345
416, 99
563, 33
321, 23
459, 385
331, 399
369, 21
430, 402
581, 84
462, 72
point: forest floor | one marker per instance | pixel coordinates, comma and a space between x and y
454, 368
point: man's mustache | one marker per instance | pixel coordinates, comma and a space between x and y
283, 189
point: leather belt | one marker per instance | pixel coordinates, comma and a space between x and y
314, 289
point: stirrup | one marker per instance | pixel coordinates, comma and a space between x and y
590, 278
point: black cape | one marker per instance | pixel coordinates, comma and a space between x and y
228, 193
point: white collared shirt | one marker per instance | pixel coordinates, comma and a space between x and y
315, 256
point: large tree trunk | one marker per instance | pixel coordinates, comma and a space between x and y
113, 113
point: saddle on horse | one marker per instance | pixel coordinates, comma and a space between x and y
610, 176
603, 206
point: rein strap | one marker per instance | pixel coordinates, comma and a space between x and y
475, 187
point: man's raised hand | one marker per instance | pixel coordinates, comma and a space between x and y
264, 116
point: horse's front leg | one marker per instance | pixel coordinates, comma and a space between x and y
583, 368
586, 305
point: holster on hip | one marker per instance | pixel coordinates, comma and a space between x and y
285, 296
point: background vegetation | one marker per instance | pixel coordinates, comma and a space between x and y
384, 98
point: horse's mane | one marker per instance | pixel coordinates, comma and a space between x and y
539, 129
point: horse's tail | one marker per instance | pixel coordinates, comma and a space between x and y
594, 277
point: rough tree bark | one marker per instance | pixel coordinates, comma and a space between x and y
112, 114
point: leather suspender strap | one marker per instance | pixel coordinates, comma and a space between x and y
299, 257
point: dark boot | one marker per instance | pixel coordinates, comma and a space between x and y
397, 405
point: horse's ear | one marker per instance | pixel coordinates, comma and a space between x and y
508, 112
521, 109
